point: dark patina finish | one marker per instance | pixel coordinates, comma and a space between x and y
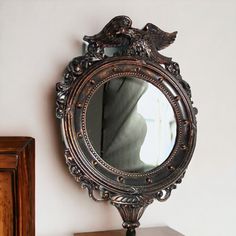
136, 55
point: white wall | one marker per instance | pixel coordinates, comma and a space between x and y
38, 38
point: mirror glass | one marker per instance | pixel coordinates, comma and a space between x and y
131, 124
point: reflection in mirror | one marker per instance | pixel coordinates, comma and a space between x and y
131, 124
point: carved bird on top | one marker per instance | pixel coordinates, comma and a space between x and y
131, 41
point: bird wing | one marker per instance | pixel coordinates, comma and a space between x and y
160, 38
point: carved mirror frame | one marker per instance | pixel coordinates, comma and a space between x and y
135, 55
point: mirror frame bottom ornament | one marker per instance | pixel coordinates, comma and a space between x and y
137, 57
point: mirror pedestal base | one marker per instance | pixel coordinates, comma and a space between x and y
131, 208
130, 232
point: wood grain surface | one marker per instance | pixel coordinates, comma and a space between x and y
17, 186
155, 231
6, 204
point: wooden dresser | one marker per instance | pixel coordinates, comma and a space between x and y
17, 186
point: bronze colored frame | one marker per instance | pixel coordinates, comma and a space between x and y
136, 56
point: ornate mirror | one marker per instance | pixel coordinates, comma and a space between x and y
127, 118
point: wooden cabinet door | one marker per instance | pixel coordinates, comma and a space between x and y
17, 186
6, 203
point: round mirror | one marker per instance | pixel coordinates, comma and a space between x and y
131, 124
127, 118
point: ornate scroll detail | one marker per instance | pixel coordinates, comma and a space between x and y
85, 182
173, 68
131, 208
164, 194
73, 167
72, 72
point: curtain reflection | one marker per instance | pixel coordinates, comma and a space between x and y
124, 129
131, 124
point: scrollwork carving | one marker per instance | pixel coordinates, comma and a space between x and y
72, 72
85, 182
165, 193
173, 68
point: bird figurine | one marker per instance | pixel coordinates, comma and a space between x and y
110, 34
131, 41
